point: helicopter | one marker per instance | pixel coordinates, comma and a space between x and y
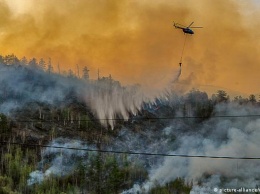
186, 29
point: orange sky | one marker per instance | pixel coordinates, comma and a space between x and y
135, 41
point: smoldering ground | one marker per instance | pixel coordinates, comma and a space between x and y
225, 136
235, 137
61, 162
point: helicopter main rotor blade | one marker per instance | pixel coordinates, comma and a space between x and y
190, 24
196, 27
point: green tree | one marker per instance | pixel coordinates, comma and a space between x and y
115, 176
3, 123
6, 185
17, 168
176, 186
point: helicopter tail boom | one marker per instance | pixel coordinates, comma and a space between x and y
176, 25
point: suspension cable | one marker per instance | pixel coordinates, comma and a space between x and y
183, 48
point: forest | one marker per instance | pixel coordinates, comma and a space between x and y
61, 132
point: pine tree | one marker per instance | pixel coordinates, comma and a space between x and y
42, 64
33, 63
24, 61
50, 67
252, 98
10, 59
85, 73
71, 74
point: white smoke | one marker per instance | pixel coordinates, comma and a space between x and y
106, 98
60, 161
239, 144
235, 137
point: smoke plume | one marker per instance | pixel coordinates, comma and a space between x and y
235, 137
136, 42
60, 161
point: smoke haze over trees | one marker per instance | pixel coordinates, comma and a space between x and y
39, 106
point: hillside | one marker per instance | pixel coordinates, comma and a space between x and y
50, 124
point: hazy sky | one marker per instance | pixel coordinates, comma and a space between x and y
135, 41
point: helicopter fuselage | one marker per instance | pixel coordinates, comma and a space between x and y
187, 31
